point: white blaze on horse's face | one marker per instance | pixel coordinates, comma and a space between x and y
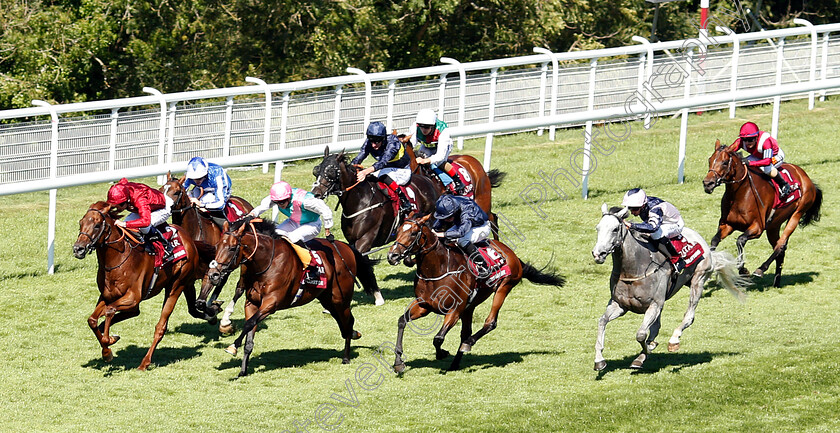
608, 234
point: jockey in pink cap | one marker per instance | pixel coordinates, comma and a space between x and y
304, 214
764, 153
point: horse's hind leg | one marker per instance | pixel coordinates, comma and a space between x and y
505, 286
697, 282
466, 333
189, 295
160, 328
724, 230
613, 312
344, 317
779, 246
652, 314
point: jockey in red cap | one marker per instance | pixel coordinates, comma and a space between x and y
764, 153
149, 208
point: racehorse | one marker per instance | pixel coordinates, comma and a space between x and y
202, 228
126, 273
641, 281
271, 272
367, 219
483, 182
747, 206
444, 285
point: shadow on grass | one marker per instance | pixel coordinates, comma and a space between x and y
130, 357
285, 358
474, 362
657, 361
766, 282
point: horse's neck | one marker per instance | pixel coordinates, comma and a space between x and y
271, 251
750, 186
438, 260
112, 251
630, 257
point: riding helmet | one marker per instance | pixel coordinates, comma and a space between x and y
118, 193
445, 207
196, 168
280, 191
748, 129
636, 197
376, 131
426, 116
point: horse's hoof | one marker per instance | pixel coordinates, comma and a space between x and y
226, 329
636, 365
758, 273
399, 368
673, 347
345, 361
231, 349
107, 355
777, 281
143, 367
465, 348
600, 365
379, 302
652, 345
113, 340
242, 374
356, 335
442, 354
743, 271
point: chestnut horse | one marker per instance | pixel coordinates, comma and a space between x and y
202, 228
443, 285
271, 272
483, 182
747, 203
368, 219
125, 274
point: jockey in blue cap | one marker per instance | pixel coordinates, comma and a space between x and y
662, 221
464, 222
212, 187
392, 166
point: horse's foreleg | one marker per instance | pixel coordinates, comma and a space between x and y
225, 326
613, 312
344, 317
740, 243
773, 239
127, 302
160, 328
189, 296
364, 244
413, 312
651, 316
724, 230
449, 320
251, 310
505, 286
697, 282
466, 333
780, 246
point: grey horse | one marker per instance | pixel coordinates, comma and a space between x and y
641, 281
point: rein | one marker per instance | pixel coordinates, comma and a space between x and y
108, 227
626, 230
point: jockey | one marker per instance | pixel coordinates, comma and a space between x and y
662, 221
764, 153
435, 146
304, 213
392, 166
149, 208
464, 222
212, 187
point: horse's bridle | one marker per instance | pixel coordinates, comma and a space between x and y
95, 240
334, 184
624, 230
719, 179
408, 248
226, 268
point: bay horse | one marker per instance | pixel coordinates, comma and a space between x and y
483, 182
641, 281
125, 274
368, 219
202, 228
444, 285
271, 272
747, 204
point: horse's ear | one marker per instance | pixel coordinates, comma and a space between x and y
341, 154
394, 131
604, 209
326, 151
717, 144
169, 176
623, 213
183, 179
425, 219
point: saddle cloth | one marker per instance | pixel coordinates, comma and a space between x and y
497, 263
690, 252
233, 212
178, 251
469, 190
322, 273
796, 191
395, 199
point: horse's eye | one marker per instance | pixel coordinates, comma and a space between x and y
615, 229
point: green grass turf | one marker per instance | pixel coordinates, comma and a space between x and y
770, 364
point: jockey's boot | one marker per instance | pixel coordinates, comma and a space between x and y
311, 274
155, 235
460, 188
405, 205
666, 247
784, 187
481, 266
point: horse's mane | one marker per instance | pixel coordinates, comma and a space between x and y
107, 208
615, 209
262, 227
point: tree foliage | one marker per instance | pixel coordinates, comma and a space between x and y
78, 50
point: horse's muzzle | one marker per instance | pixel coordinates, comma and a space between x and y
600, 257
79, 251
394, 258
215, 276
709, 185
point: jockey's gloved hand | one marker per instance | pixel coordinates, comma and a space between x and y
330, 237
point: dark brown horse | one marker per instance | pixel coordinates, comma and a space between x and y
271, 272
746, 206
125, 274
368, 219
444, 285
202, 228
483, 182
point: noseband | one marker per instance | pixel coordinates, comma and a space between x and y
719, 179
410, 247
624, 230
226, 268
95, 240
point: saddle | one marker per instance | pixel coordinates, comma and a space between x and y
690, 252
463, 175
498, 267
795, 190
178, 251
233, 212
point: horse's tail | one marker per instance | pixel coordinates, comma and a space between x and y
207, 252
725, 265
812, 215
540, 276
496, 177
364, 271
